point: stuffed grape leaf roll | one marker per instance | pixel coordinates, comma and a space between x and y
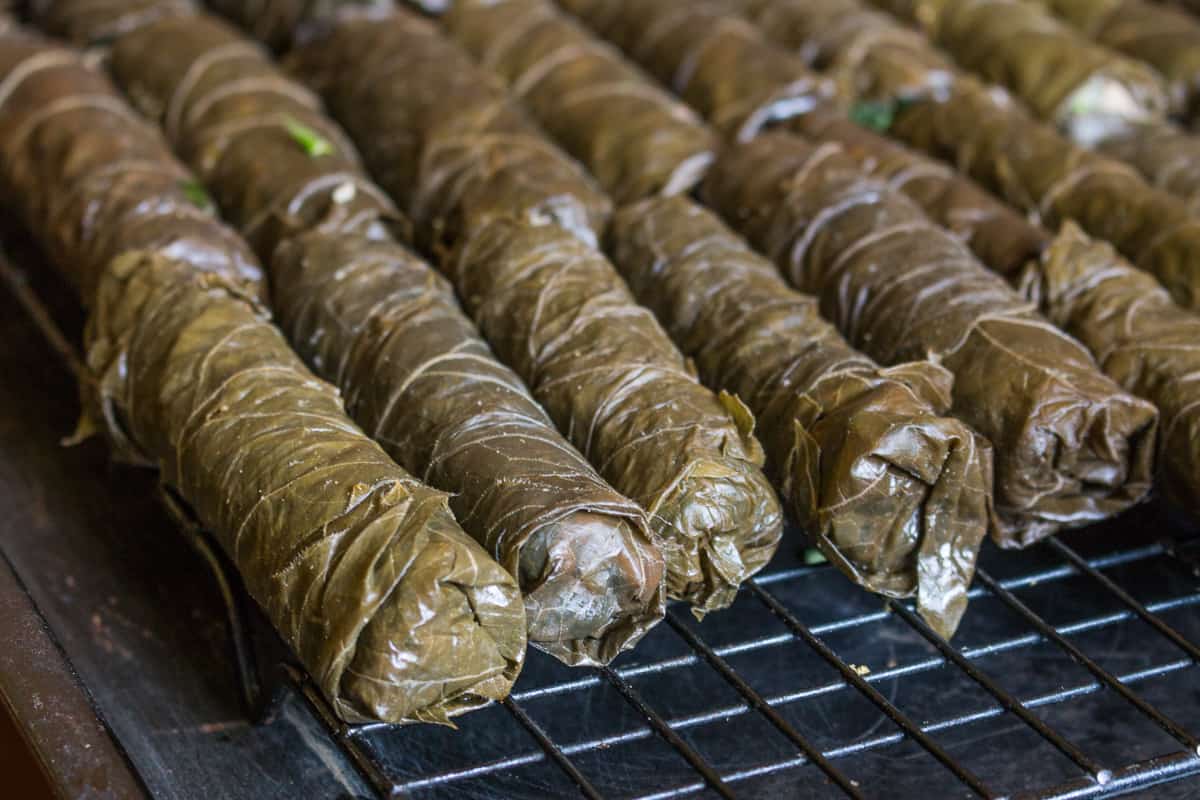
689, 459
396, 613
634, 137
559, 313
895, 493
381, 324
1142, 339
1070, 446
442, 136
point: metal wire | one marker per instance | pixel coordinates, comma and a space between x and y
757, 702
851, 676
1154, 621
1006, 700
665, 731
17, 282
1045, 629
554, 751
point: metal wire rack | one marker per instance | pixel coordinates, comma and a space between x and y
1074, 675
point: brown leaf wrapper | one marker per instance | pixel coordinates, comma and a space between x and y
719, 64
1167, 39
276, 164
825, 33
1033, 167
716, 518
442, 136
999, 235
279, 23
634, 138
560, 315
379, 323
421, 381
1168, 157
91, 180
896, 494
1070, 446
396, 613
740, 82
1086, 89
934, 108
1143, 340
98, 22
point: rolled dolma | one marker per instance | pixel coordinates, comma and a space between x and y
92, 180
262, 143
1070, 446
559, 314
691, 461
896, 494
826, 32
379, 323
919, 97
457, 149
1143, 340
418, 377
1168, 157
1084, 88
396, 613
97, 22
279, 22
1035, 168
742, 83
1167, 39
634, 138
361, 568
714, 60
1000, 236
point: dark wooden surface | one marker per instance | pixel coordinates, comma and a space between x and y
61, 747
20, 766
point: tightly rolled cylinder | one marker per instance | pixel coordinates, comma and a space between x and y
262, 144
1166, 38
633, 137
422, 383
382, 325
1087, 90
1143, 340
998, 235
933, 107
280, 22
1070, 446
80, 166
896, 494
396, 613
742, 83
360, 567
460, 151
1166, 155
560, 315
98, 22
714, 60
1033, 167
715, 517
